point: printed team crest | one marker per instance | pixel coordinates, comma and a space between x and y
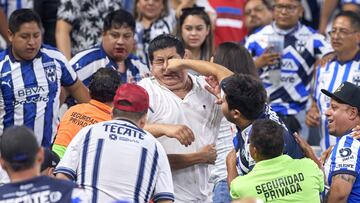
356, 80
339, 88
300, 46
50, 71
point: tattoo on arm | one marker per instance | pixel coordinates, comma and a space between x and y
348, 178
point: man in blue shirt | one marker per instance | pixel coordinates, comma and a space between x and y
345, 66
343, 164
287, 72
31, 76
113, 52
21, 158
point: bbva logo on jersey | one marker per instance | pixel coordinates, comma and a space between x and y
289, 65
50, 71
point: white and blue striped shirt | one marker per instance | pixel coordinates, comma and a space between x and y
330, 77
10, 6
29, 91
289, 94
87, 62
345, 159
117, 160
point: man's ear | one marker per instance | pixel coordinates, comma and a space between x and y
143, 121
353, 113
236, 114
357, 37
2, 163
40, 156
253, 152
10, 35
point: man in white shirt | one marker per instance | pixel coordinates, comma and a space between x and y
180, 98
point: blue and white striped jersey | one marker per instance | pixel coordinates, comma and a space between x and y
289, 93
11, 5
116, 160
241, 143
350, 1
29, 91
330, 77
345, 159
87, 62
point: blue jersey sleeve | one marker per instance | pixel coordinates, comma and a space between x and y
345, 157
291, 147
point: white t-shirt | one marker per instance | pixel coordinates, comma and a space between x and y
116, 160
199, 112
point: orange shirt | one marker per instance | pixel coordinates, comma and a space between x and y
79, 116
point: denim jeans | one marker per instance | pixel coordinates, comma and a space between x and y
221, 192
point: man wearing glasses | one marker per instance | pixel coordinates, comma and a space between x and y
345, 38
258, 13
285, 53
179, 98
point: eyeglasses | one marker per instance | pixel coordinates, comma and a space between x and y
288, 8
341, 33
257, 9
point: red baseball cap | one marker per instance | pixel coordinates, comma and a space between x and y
131, 97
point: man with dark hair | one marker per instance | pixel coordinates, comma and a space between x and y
258, 13
277, 177
244, 101
345, 66
285, 53
102, 88
117, 159
79, 23
31, 76
328, 7
342, 166
21, 158
114, 51
180, 99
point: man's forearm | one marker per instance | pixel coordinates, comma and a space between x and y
231, 173
3, 26
79, 92
62, 35
181, 161
208, 68
157, 130
327, 8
